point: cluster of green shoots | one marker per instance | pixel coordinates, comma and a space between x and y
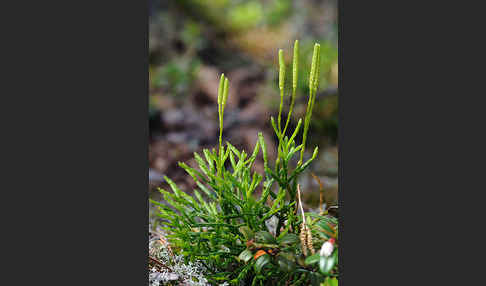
225, 224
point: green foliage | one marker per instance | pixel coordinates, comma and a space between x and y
237, 16
246, 15
277, 11
176, 76
228, 223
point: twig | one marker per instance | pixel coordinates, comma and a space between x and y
159, 263
300, 203
321, 194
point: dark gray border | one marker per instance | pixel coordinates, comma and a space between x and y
82, 144
340, 142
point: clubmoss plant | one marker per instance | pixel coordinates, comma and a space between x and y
225, 225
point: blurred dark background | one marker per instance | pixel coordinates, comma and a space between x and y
191, 42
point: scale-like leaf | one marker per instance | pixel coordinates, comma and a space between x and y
246, 255
265, 236
261, 262
285, 265
312, 259
288, 238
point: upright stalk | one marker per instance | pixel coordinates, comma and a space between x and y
313, 83
222, 98
295, 66
281, 85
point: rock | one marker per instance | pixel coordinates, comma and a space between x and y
155, 177
327, 162
160, 165
207, 81
173, 118
177, 137
245, 137
254, 113
157, 149
246, 81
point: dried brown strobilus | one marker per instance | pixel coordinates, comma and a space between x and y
305, 233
